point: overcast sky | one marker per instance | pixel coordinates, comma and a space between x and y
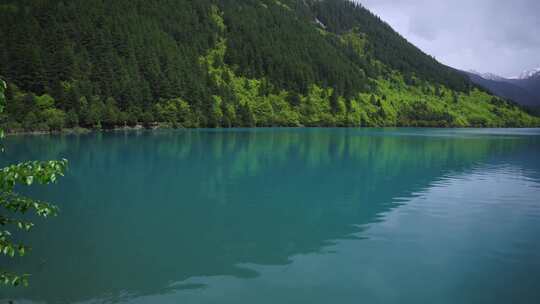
497, 36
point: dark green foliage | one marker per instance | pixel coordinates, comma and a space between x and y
72, 119
110, 114
133, 51
273, 43
385, 44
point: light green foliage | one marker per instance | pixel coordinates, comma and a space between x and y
186, 117
284, 113
55, 119
111, 112
34, 113
44, 102
356, 40
176, 113
215, 14
216, 115
167, 111
251, 106
95, 112
11, 203
315, 107
424, 104
392, 103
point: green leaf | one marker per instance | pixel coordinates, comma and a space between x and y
27, 174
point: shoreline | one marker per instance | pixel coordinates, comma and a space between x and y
80, 130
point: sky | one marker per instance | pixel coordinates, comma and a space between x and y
495, 36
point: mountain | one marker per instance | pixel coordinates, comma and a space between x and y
487, 76
226, 63
530, 81
524, 90
529, 74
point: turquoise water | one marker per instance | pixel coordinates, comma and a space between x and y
287, 216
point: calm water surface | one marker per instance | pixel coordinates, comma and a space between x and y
287, 216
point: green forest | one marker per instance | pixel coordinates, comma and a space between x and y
226, 63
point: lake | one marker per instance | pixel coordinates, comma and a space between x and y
286, 216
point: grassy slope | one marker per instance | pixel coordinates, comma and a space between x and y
394, 103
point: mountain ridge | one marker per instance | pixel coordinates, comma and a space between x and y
528, 74
524, 90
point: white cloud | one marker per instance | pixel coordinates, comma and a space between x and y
485, 35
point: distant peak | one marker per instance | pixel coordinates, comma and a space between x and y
488, 76
528, 74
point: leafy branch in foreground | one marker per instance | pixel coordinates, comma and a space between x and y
12, 203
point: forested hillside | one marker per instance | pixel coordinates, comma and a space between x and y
225, 63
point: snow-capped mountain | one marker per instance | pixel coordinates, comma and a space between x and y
494, 77
524, 89
488, 76
528, 74
523, 76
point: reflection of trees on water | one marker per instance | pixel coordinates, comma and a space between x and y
143, 210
